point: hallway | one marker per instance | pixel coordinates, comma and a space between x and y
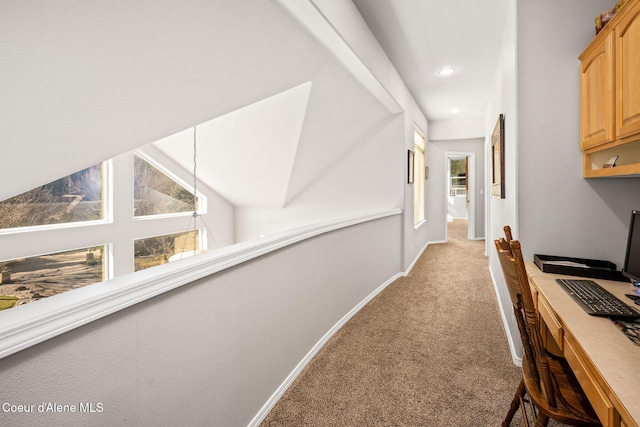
429, 350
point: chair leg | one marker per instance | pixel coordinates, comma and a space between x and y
514, 404
542, 420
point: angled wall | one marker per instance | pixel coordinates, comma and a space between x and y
366, 178
85, 85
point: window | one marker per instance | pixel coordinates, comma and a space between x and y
458, 184
29, 279
418, 183
159, 250
81, 209
155, 193
74, 198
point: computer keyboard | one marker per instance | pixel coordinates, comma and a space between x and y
596, 300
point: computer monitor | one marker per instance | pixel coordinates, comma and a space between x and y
631, 268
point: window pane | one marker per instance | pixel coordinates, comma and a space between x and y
155, 193
458, 177
30, 279
162, 249
77, 197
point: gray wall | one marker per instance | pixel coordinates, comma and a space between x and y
551, 208
211, 352
560, 212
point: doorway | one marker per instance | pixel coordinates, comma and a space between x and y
460, 191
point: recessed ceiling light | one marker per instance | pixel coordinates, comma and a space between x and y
455, 110
447, 71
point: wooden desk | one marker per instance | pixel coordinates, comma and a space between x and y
605, 361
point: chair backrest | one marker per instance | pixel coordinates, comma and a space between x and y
507, 233
515, 275
509, 270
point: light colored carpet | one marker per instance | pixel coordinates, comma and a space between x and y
430, 350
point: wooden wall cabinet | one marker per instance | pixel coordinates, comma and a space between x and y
610, 96
627, 43
597, 81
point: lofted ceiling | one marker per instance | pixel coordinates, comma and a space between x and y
422, 36
308, 127
276, 92
83, 82
265, 154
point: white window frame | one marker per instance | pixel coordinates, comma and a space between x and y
419, 146
107, 213
39, 240
202, 199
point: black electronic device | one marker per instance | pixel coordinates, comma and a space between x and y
631, 267
632, 296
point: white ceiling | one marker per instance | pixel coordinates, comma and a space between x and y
84, 82
265, 154
422, 36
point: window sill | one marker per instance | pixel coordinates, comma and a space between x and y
419, 225
30, 324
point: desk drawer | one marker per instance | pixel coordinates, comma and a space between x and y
605, 410
554, 328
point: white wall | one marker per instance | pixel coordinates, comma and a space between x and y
60, 89
367, 178
501, 212
457, 207
456, 129
211, 352
215, 350
416, 237
348, 22
85, 85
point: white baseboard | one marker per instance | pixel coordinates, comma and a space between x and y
415, 259
434, 242
264, 411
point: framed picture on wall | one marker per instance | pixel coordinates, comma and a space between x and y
497, 159
410, 155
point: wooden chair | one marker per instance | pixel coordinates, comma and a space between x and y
548, 380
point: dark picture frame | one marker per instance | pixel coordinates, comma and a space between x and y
497, 159
410, 162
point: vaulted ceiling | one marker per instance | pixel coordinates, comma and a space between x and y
272, 87
277, 95
266, 153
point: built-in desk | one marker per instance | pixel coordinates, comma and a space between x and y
605, 361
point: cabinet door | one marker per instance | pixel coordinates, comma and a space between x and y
628, 74
596, 94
